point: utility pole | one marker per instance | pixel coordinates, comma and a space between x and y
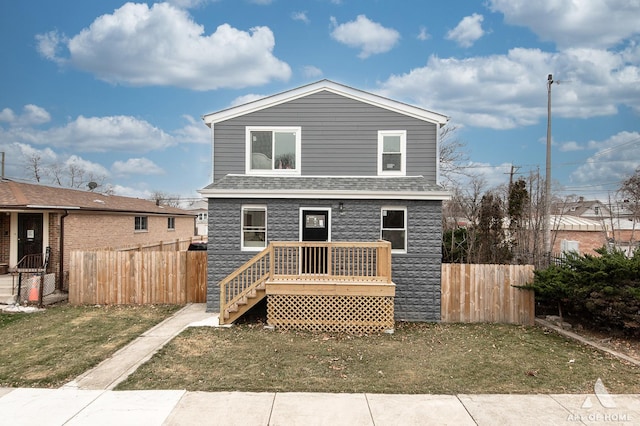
547, 192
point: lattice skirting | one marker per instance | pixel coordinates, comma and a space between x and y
348, 314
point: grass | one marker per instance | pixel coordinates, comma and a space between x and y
52, 347
418, 358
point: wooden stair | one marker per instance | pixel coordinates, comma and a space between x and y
246, 302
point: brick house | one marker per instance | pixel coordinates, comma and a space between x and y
328, 163
35, 217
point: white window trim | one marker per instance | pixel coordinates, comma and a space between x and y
298, 132
146, 220
406, 227
253, 207
403, 152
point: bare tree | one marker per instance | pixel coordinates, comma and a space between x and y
164, 199
630, 191
33, 165
452, 156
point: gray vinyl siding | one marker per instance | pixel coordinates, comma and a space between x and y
416, 274
339, 137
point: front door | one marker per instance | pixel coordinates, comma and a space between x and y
30, 236
315, 227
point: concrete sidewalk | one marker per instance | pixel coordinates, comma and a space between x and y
68, 406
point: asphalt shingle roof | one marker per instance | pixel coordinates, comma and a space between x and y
275, 185
27, 195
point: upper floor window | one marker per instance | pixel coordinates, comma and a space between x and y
392, 152
171, 223
141, 223
273, 150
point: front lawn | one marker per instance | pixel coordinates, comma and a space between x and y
52, 347
418, 358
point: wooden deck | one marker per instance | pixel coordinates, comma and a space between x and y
339, 286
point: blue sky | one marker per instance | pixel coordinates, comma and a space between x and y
117, 89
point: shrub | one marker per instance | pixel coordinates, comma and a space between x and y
603, 290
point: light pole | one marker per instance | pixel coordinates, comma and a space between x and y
547, 193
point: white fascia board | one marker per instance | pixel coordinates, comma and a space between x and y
330, 86
32, 206
311, 194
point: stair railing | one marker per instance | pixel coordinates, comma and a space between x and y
244, 280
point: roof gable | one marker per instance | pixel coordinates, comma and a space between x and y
330, 86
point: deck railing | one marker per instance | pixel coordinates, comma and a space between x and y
309, 262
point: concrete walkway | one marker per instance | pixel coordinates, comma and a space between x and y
116, 369
90, 400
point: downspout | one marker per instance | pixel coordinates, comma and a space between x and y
61, 251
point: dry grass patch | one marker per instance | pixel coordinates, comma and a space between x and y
418, 358
52, 347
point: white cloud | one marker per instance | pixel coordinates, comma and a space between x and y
195, 131
601, 23
163, 46
95, 134
508, 91
127, 191
468, 31
423, 34
368, 36
189, 4
32, 115
245, 99
300, 16
571, 146
310, 71
616, 159
87, 167
136, 166
48, 45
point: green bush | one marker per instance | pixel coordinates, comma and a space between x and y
603, 291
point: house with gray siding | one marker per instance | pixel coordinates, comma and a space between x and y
327, 162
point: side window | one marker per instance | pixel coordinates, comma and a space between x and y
393, 228
141, 223
273, 150
392, 147
171, 223
254, 228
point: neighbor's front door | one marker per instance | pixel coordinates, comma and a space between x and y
315, 227
30, 236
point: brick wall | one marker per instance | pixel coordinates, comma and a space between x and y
588, 240
416, 274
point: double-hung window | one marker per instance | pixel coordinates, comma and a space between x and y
141, 223
393, 228
392, 152
254, 228
171, 223
273, 150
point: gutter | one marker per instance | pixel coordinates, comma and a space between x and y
61, 250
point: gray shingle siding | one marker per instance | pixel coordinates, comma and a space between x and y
339, 137
416, 274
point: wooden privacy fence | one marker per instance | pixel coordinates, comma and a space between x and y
137, 277
486, 293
